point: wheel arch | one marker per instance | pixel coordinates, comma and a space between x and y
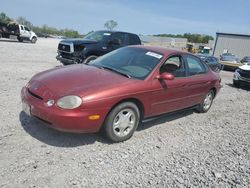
136, 101
214, 90
90, 53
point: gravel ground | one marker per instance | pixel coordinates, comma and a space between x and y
185, 149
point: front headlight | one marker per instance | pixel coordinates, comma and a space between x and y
69, 102
236, 74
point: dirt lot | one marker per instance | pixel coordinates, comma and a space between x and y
180, 150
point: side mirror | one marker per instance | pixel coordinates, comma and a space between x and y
165, 76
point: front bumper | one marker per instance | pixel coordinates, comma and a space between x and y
76, 120
228, 64
241, 80
65, 61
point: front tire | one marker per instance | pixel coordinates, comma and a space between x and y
89, 59
122, 122
206, 103
33, 40
236, 84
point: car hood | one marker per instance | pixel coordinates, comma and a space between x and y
245, 67
79, 41
81, 80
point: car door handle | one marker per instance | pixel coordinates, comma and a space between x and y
184, 85
208, 82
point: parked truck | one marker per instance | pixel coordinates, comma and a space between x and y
95, 44
15, 30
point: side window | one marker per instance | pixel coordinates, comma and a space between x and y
211, 60
22, 28
26, 28
119, 38
174, 65
133, 39
195, 66
215, 61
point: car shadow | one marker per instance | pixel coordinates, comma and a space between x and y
13, 41
58, 66
40, 131
244, 87
164, 118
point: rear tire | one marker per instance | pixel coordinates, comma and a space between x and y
206, 103
20, 39
121, 122
89, 59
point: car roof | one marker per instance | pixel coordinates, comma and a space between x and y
109, 31
205, 55
161, 50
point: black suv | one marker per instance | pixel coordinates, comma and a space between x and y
95, 44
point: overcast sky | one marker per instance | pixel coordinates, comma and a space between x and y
141, 17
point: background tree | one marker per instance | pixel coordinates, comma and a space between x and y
22, 20
194, 38
110, 25
4, 18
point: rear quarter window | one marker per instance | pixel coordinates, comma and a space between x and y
133, 39
120, 37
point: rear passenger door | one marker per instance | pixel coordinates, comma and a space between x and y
117, 41
198, 79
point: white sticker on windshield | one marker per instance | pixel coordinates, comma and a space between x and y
106, 34
153, 54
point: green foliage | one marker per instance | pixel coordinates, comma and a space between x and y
194, 38
4, 18
21, 20
110, 25
54, 31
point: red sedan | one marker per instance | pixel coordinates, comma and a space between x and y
116, 91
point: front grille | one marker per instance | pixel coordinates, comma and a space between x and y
244, 73
66, 55
43, 120
35, 95
64, 47
244, 79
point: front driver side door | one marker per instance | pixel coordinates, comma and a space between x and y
171, 95
25, 32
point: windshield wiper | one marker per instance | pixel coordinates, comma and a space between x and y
114, 70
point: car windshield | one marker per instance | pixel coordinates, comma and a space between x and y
202, 56
98, 36
229, 58
130, 61
246, 59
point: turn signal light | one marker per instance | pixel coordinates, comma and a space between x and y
94, 117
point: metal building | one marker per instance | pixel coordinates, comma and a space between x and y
237, 44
